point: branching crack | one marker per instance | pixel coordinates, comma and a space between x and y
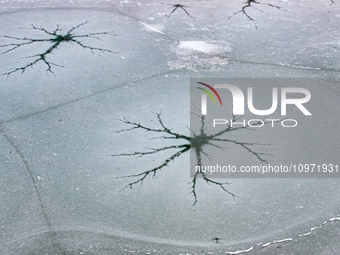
176, 6
195, 142
55, 40
249, 4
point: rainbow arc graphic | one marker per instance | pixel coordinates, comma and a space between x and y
211, 92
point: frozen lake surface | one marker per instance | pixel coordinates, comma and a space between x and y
74, 69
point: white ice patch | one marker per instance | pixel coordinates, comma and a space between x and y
198, 46
199, 55
153, 28
283, 240
239, 252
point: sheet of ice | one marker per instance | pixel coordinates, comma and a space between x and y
59, 194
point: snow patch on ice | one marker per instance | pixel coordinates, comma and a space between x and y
267, 244
198, 46
199, 56
239, 252
283, 240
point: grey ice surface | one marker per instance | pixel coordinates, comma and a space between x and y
58, 191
